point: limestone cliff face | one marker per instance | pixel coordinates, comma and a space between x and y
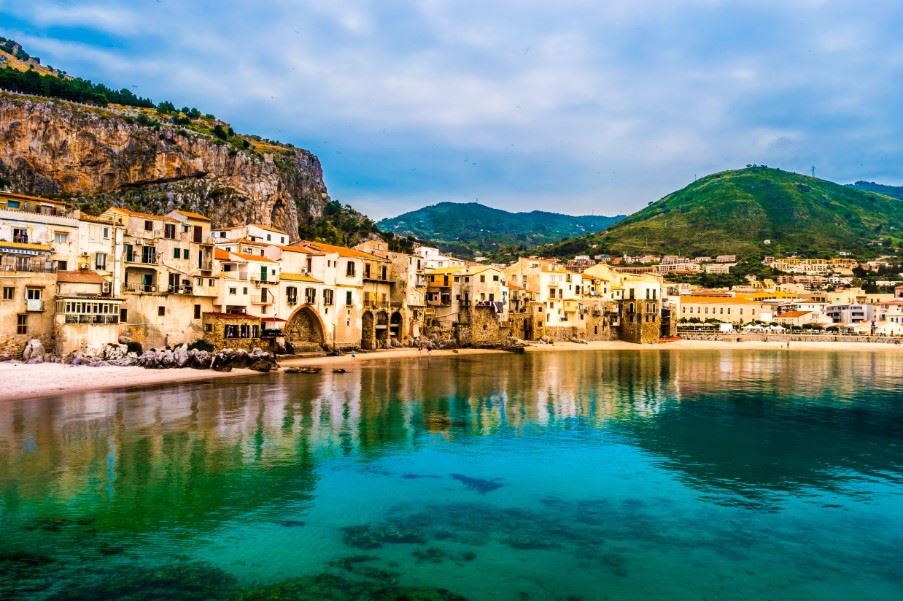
98, 158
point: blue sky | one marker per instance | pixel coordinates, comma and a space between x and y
575, 106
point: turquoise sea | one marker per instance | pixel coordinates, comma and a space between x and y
582, 475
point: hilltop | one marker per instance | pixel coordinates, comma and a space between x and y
472, 228
95, 146
894, 191
752, 212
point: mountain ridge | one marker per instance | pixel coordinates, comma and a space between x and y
472, 228
752, 212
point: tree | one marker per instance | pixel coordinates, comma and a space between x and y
219, 132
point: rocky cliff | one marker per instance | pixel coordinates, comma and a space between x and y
99, 157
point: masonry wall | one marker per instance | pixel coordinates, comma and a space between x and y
642, 324
147, 327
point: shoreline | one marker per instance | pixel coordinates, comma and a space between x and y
22, 381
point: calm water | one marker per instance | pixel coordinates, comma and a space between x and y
629, 475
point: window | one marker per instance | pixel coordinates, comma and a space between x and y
327, 297
21, 324
269, 238
123, 315
169, 230
310, 295
291, 295
177, 253
184, 253
161, 310
33, 293
309, 264
106, 233
100, 261
244, 290
20, 234
197, 311
9, 293
12, 204
233, 291
62, 265
482, 279
349, 270
495, 278
148, 226
61, 237
348, 300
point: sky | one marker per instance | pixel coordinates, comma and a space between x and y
581, 107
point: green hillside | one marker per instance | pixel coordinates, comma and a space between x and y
471, 229
895, 191
735, 212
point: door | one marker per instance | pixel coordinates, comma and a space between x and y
263, 273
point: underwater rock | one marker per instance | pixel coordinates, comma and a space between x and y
193, 581
480, 485
329, 587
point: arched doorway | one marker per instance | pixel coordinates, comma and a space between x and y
304, 330
395, 327
368, 331
382, 329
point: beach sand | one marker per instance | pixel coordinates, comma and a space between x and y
22, 381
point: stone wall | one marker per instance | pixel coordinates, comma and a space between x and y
640, 321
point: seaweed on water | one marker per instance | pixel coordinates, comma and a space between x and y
329, 587
193, 581
374, 537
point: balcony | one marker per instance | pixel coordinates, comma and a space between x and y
180, 289
141, 288
34, 305
92, 319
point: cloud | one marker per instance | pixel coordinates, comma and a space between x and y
588, 106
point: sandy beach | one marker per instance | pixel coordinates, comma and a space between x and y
47, 379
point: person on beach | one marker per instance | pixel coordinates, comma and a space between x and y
353, 353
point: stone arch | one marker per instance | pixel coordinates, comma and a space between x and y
368, 330
382, 329
305, 329
396, 326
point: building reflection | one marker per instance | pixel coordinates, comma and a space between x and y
205, 453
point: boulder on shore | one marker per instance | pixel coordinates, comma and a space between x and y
34, 351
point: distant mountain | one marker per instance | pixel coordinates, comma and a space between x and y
736, 212
895, 191
472, 228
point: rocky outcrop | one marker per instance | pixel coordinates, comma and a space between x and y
100, 157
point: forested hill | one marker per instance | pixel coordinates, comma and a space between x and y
471, 229
752, 212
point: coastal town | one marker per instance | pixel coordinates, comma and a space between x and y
77, 282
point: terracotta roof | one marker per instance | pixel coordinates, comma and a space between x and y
141, 215
724, 300
27, 197
248, 257
95, 219
269, 228
793, 314
192, 215
302, 247
298, 277
221, 255
80, 277
271, 319
446, 270
344, 251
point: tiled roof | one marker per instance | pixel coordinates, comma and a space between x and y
192, 215
80, 277
26, 197
269, 228
248, 257
344, 251
299, 277
793, 314
232, 315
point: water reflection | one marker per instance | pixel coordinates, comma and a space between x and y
749, 422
